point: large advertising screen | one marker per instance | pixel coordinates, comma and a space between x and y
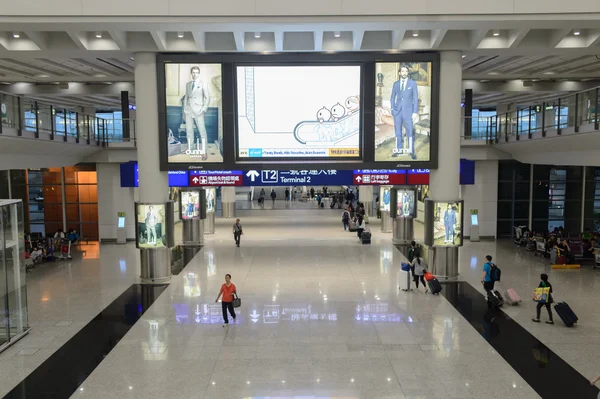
194, 117
403, 93
444, 223
293, 112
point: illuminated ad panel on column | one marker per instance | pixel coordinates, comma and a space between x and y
379, 177
193, 97
294, 112
403, 111
201, 178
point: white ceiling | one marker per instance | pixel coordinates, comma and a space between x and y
536, 48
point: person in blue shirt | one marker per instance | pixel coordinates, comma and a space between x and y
486, 279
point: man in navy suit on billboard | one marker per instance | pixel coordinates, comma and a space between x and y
405, 109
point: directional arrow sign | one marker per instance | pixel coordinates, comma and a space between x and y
254, 316
358, 178
252, 174
195, 180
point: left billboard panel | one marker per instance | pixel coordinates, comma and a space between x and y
194, 112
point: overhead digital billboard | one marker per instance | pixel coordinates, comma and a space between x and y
298, 111
194, 116
403, 111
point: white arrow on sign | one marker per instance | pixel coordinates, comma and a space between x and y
254, 316
358, 178
252, 174
195, 180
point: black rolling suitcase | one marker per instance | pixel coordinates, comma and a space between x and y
434, 286
495, 298
365, 237
566, 314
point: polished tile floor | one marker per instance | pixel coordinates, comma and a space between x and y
322, 317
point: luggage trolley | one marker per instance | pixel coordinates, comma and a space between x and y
65, 249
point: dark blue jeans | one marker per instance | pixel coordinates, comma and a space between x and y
227, 306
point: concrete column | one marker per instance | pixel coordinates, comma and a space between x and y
228, 201
366, 197
153, 184
444, 182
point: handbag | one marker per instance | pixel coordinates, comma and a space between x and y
541, 294
237, 301
405, 267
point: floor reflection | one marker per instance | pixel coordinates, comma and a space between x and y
546, 372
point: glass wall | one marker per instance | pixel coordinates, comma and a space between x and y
482, 123
113, 123
513, 196
13, 291
556, 197
42, 195
81, 189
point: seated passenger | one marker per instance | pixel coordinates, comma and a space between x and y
566, 249
73, 236
36, 255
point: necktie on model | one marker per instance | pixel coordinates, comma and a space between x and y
193, 84
402, 86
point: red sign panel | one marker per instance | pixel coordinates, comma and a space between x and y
215, 180
379, 179
418, 179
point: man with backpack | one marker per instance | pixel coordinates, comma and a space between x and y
491, 274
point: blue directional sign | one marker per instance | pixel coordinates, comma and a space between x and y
320, 177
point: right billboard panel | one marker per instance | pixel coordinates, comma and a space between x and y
403, 111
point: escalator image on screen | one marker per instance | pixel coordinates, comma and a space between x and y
298, 111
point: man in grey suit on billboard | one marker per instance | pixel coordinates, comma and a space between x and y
195, 104
405, 109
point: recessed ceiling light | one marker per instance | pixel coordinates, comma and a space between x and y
549, 73
337, 33
42, 75
99, 75
464, 56
98, 35
496, 33
257, 35
132, 58
577, 33
493, 73
415, 33
16, 35
180, 35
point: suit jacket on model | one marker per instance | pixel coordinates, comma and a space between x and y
196, 98
406, 101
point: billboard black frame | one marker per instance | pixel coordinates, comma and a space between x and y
229, 62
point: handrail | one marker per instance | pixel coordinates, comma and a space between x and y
44, 120
575, 111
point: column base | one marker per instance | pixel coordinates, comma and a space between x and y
155, 265
209, 223
193, 232
403, 231
446, 262
386, 222
228, 210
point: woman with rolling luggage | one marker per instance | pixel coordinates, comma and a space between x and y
418, 265
547, 301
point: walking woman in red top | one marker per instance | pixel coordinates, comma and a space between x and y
227, 290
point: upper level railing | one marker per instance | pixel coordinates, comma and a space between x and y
577, 112
46, 121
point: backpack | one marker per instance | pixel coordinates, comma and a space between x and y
495, 272
346, 216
